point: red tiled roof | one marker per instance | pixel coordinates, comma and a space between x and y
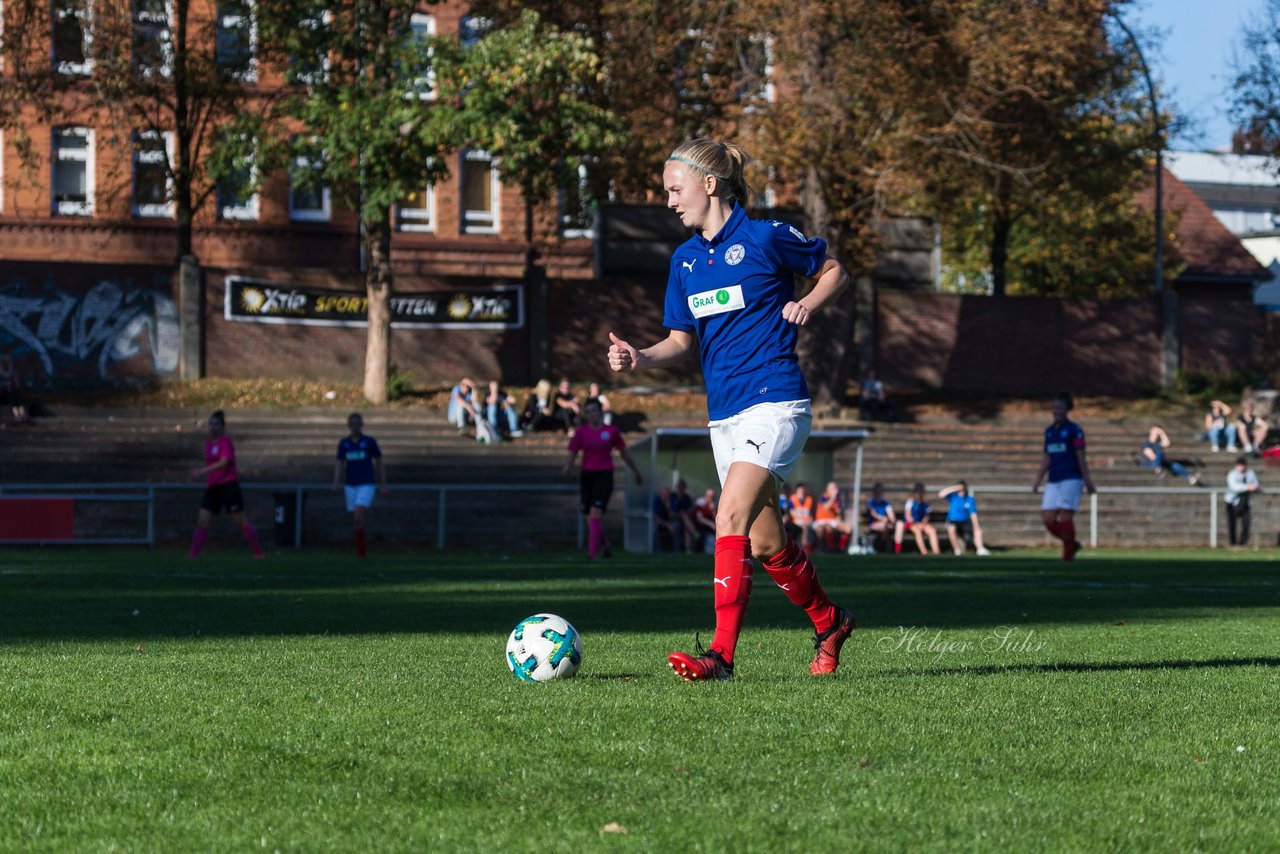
1208, 248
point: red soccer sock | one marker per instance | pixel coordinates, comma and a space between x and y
792, 570
198, 536
1055, 528
251, 537
732, 587
362, 545
897, 548
1068, 529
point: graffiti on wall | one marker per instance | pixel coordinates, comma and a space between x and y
107, 332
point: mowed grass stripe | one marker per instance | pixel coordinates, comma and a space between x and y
310, 703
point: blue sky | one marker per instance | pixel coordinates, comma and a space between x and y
1197, 39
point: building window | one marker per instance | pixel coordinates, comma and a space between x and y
480, 189
72, 172
237, 39
152, 45
417, 210
577, 207
72, 37
421, 29
312, 65
152, 190
237, 197
309, 199
472, 28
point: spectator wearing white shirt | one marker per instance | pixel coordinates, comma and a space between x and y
1241, 483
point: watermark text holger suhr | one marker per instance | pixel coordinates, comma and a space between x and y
1002, 641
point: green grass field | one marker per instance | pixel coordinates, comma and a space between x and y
312, 703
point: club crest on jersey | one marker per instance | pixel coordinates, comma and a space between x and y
717, 301
734, 254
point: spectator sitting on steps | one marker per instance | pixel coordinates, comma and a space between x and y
1218, 429
1252, 429
873, 402
462, 404
1152, 455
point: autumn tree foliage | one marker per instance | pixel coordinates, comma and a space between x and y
1255, 101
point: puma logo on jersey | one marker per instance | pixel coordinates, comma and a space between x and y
756, 445
724, 581
688, 265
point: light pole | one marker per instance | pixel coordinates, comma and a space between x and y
1168, 297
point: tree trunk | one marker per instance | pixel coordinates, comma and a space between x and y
377, 354
1000, 227
999, 254
190, 319
825, 346
535, 295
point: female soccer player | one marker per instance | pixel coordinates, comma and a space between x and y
359, 465
1064, 461
732, 286
597, 441
915, 518
222, 488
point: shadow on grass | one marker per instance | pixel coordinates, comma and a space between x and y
137, 595
1089, 667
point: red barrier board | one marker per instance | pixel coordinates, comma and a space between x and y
37, 519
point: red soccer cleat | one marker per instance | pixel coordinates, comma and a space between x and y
700, 667
1071, 549
827, 644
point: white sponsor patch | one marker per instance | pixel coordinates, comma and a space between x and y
797, 233
717, 301
734, 254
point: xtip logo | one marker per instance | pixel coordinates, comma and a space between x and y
252, 299
459, 308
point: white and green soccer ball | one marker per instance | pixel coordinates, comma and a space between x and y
544, 647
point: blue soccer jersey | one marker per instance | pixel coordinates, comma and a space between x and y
960, 507
916, 511
359, 456
878, 506
1061, 442
730, 291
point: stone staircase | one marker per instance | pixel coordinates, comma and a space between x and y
86, 445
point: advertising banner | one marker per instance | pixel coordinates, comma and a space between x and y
493, 307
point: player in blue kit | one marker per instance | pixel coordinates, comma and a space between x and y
359, 466
915, 518
731, 294
962, 518
1068, 470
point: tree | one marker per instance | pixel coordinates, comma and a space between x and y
1255, 102
1037, 139
375, 115
526, 101
171, 77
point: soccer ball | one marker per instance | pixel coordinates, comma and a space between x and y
544, 647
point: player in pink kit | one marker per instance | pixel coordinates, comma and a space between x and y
222, 488
597, 441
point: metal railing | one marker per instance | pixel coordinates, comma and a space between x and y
147, 494
1213, 495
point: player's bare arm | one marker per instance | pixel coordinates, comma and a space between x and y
339, 472
623, 357
832, 281
381, 472
1084, 470
1044, 469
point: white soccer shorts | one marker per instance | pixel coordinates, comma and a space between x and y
359, 496
1062, 495
769, 435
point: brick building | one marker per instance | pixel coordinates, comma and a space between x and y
88, 242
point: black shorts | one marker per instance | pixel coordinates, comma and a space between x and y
595, 489
223, 496
964, 528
